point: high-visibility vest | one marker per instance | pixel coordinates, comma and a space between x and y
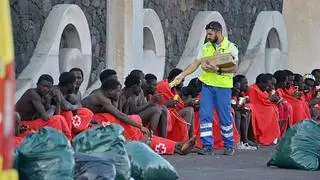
223, 80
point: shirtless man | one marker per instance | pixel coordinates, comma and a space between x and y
78, 118
133, 101
102, 103
108, 73
66, 90
105, 74
78, 73
40, 106
144, 98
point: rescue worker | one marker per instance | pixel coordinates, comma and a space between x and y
216, 89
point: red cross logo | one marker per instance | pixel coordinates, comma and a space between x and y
76, 121
161, 148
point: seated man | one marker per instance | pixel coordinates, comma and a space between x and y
105, 74
265, 128
39, 107
132, 102
292, 92
150, 87
242, 114
78, 73
284, 107
316, 75
106, 111
313, 101
182, 115
78, 118
191, 96
149, 90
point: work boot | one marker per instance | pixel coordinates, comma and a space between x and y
206, 150
228, 151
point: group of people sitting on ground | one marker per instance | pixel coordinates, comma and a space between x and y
164, 117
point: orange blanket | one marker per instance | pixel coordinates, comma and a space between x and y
57, 122
159, 144
79, 122
285, 114
177, 127
299, 106
265, 116
216, 132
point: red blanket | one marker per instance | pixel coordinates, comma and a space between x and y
17, 141
285, 114
57, 122
264, 117
159, 145
299, 106
79, 122
218, 142
177, 127
216, 132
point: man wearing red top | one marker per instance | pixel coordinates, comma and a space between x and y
284, 107
265, 128
294, 95
182, 121
313, 101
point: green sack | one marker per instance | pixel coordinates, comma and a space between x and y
106, 142
148, 165
90, 167
299, 148
45, 155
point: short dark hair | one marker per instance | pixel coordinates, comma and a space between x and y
193, 82
214, 25
315, 71
150, 77
45, 77
132, 80
288, 72
77, 69
261, 78
66, 78
280, 76
106, 74
110, 84
174, 73
297, 76
137, 73
269, 76
238, 78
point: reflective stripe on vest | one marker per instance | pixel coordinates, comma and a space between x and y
223, 80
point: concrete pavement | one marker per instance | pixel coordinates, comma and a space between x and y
245, 165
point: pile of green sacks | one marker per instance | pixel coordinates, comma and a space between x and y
100, 153
299, 148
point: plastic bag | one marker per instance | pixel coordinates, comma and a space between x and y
45, 155
90, 167
148, 165
299, 148
108, 143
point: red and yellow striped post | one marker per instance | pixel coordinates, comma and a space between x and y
7, 89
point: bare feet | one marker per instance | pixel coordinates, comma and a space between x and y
148, 139
183, 148
189, 144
